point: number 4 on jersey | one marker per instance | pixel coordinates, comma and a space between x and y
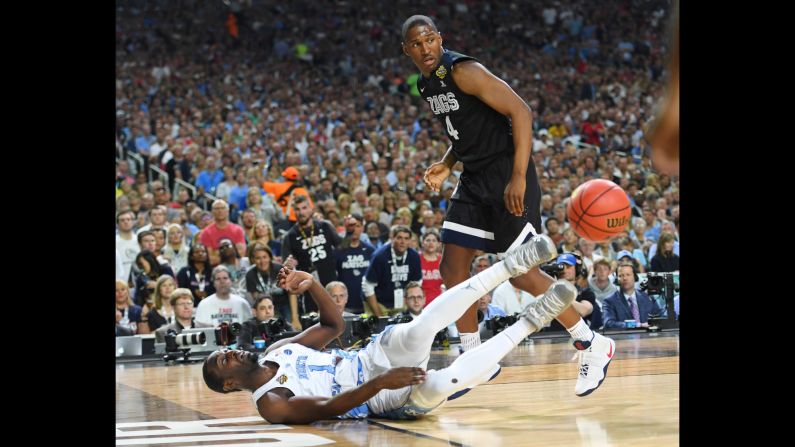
450, 130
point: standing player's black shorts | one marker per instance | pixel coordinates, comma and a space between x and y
477, 217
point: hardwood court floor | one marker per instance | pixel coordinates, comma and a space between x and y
531, 403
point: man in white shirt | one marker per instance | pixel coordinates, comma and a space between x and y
126, 242
223, 305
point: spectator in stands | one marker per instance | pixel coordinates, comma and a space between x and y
552, 227
128, 314
569, 242
666, 227
392, 267
339, 293
196, 275
225, 187
247, 220
285, 192
237, 266
665, 260
264, 206
374, 235
161, 312
312, 242
209, 178
480, 263
601, 282
149, 270
157, 219
430, 260
181, 301
126, 242
628, 245
176, 250
261, 280
586, 249
221, 228
223, 305
263, 233
352, 258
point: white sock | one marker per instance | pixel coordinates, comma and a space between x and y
470, 340
469, 369
581, 331
415, 338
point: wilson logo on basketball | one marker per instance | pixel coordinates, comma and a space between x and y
615, 223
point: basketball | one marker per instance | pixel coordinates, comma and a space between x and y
599, 210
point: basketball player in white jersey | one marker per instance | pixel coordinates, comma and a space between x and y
297, 383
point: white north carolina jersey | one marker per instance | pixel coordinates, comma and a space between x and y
308, 372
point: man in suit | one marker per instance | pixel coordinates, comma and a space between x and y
628, 303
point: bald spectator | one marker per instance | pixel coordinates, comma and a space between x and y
222, 228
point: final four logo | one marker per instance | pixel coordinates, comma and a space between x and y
441, 72
282, 379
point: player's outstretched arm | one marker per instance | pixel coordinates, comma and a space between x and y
278, 408
331, 324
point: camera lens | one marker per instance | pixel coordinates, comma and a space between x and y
197, 338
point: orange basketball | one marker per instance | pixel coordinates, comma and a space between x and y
599, 210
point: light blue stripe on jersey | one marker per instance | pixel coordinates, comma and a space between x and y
362, 410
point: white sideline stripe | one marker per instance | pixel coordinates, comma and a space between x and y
203, 421
196, 430
288, 439
527, 229
468, 230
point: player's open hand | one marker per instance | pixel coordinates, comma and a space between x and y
401, 377
435, 175
514, 195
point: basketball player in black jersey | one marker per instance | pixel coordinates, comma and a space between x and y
497, 199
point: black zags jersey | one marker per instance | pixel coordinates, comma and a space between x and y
478, 132
313, 253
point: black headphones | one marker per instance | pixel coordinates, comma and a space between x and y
579, 269
634, 272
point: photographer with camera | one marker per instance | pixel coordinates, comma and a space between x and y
262, 325
182, 302
575, 272
489, 311
628, 303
